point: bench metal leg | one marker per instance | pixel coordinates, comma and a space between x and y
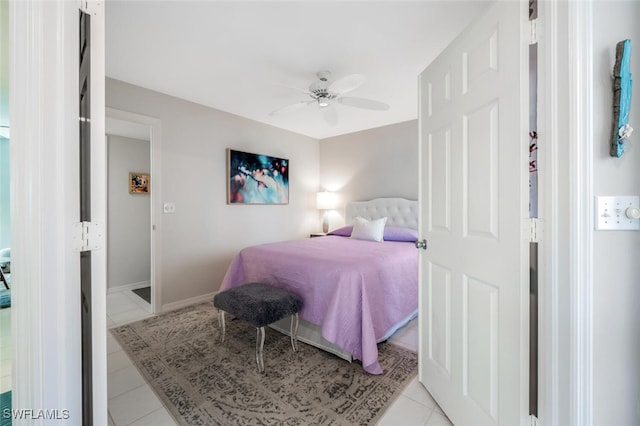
221, 323
294, 331
260, 335
259, 347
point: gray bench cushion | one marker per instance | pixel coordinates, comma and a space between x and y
258, 304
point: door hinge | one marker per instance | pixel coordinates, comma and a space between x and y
88, 236
534, 421
533, 31
535, 230
90, 7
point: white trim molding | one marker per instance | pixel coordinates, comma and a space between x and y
566, 170
581, 203
131, 286
549, 175
95, 8
45, 206
44, 62
155, 137
188, 302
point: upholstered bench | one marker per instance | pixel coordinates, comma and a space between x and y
260, 305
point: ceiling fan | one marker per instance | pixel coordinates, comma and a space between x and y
325, 94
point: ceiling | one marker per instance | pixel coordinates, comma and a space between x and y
228, 55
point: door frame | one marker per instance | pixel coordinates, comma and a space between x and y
565, 159
566, 387
154, 126
44, 61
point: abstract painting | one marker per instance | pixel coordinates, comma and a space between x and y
256, 178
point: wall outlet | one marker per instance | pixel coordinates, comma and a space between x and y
169, 208
617, 213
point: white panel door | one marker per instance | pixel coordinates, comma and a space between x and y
473, 203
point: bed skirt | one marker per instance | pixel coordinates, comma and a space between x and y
311, 334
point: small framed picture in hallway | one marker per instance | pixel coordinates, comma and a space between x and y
139, 183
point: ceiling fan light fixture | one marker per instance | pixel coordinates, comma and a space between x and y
325, 94
323, 102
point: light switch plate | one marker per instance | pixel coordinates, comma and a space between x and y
611, 213
169, 208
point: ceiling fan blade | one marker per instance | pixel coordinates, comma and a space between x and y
346, 84
305, 91
364, 103
292, 107
330, 115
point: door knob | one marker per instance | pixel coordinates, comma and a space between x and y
421, 244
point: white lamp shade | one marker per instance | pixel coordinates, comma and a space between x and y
326, 200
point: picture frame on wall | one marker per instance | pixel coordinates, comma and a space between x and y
256, 178
139, 183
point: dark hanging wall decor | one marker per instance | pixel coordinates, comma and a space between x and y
622, 83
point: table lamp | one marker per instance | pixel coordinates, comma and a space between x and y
326, 201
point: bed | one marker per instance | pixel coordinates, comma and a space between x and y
357, 292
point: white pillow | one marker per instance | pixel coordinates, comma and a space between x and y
370, 230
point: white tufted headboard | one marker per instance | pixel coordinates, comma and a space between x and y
399, 211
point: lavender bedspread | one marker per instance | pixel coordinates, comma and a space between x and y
354, 290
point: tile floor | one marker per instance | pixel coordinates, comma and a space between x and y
132, 402
125, 306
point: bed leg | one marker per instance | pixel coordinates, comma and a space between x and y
294, 331
221, 323
259, 347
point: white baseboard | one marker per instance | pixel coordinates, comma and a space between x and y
190, 301
131, 286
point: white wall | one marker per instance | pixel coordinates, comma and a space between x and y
380, 162
129, 217
616, 290
199, 241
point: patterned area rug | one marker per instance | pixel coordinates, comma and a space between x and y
203, 382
